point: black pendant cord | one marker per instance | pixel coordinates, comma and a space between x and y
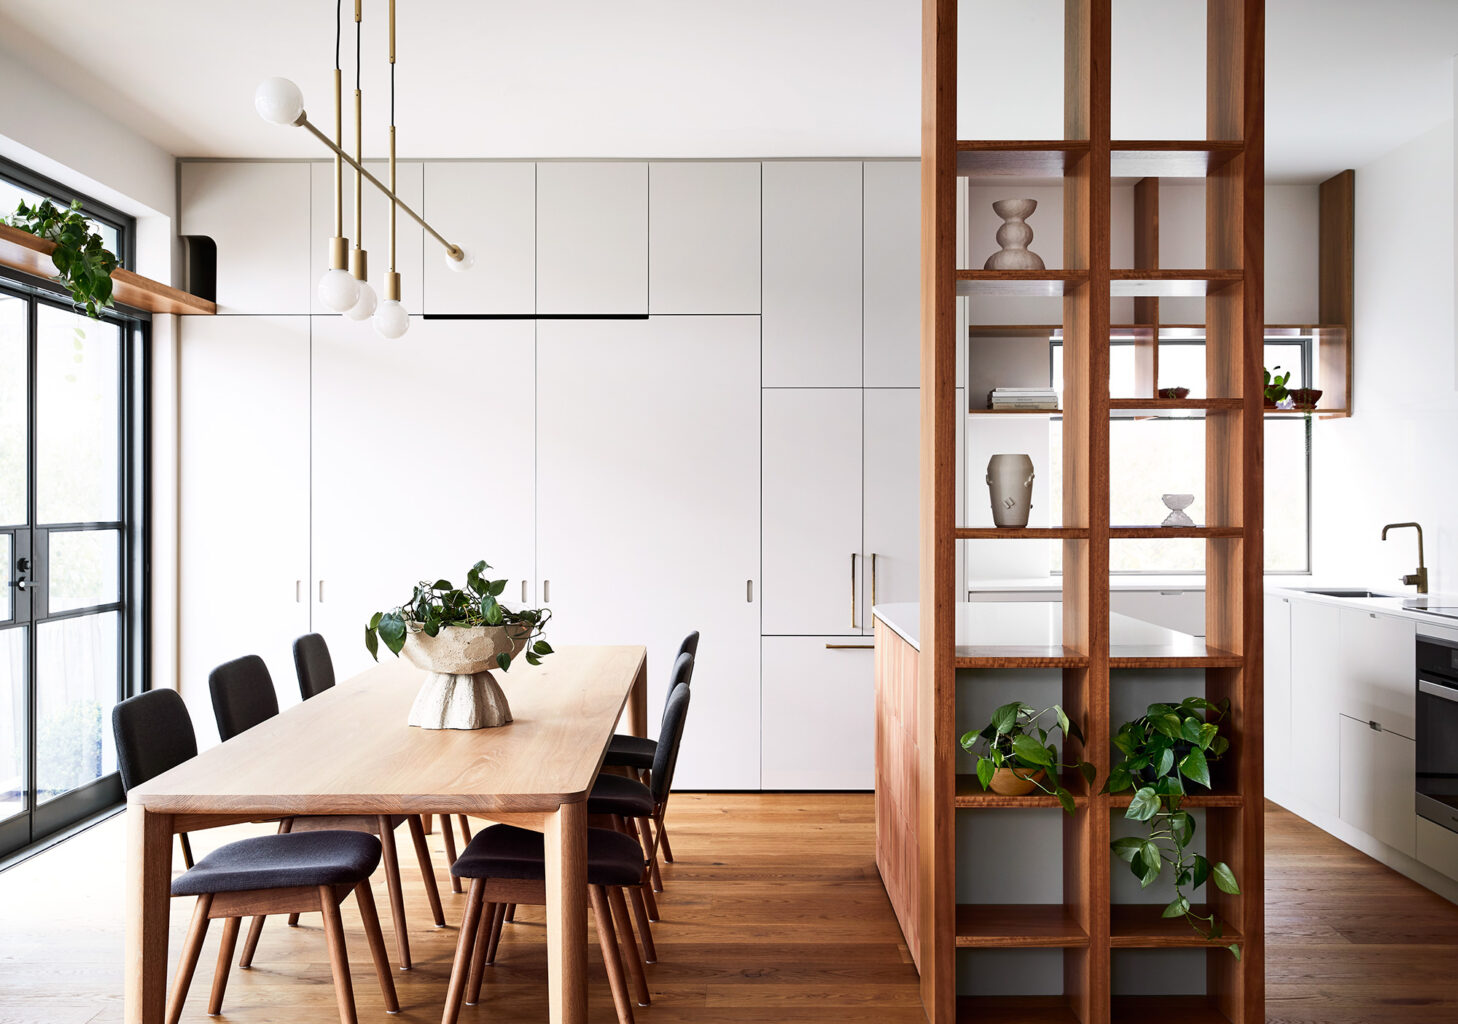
338, 29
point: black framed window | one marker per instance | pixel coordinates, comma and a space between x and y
118, 230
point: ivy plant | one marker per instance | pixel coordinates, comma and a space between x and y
1163, 749
83, 264
1015, 740
435, 606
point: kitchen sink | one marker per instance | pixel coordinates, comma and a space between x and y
1347, 592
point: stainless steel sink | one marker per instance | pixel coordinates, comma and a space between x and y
1346, 592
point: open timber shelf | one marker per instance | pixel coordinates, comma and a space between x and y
1017, 926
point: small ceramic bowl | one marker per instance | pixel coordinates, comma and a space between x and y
1174, 393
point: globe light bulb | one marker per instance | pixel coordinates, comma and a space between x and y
466, 262
364, 306
338, 290
278, 101
391, 320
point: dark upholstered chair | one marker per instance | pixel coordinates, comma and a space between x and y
153, 734
243, 695
508, 864
313, 665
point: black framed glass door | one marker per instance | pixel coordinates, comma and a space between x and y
68, 546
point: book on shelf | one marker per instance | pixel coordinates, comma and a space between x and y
1022, 398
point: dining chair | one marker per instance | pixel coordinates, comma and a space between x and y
314, 666
154, 734
243, 696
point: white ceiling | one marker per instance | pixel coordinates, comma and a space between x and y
1347, 80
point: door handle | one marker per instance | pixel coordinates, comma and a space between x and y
546, 591
853, 591
523, 592
298, 591
321, 591
850, 647
873, 579
749, 591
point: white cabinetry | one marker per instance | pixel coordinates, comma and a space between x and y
592, 237
409, 236
1376, 681
812, 274
891, 273
818, 714
1315, 671
703, 237
489, 209
393, 506
891, 506
258, 215
1180, 610
1277, 690
244, 516
1377, 783
648, 512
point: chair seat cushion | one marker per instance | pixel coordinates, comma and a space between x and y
613, 794
505, 851
281, 862
630, 752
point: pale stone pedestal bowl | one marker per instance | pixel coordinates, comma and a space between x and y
461, 692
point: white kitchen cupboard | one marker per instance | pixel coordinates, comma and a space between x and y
258, 216
1377, 783
244, 502
648, 513
409, 236
592, 237
1315, 671
811, 216
818, 717
1376, 684
489, 209
1277, 690
1437, 847
419, 469
703, 237
812, 512
890, 507
1180, 610
891, 274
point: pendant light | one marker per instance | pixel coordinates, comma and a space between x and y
391, 320
338, 289
364, 306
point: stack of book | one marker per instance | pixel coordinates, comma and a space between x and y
1022, 398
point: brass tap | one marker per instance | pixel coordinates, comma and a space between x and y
1418, 579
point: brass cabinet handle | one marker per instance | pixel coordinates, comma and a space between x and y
850, 647
873, 579
853, 591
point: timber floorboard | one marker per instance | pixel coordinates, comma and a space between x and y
773, 912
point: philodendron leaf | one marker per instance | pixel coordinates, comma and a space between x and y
1178, 907
1088, 771
1166, 761
1030, 750
1144, 805
1118, 781
1195, 768
1151, 861
1004, 717
542, 647
504, 660
1065, 798
985, 771
1062, 719
1190, 729
392, 631
969, 739
1207, 734
1183, 826
1127, 848
1200, 872
372, 643
1225, 879
1234, 949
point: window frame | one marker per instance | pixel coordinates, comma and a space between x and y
124, 224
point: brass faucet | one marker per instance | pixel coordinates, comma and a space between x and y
1418, 579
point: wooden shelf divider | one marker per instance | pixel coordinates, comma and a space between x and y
1141, 926
1017, 926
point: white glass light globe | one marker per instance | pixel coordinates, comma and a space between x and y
466, 262
278, 101
338, 290
364, 306
391, 320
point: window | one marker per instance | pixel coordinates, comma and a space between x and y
115, 228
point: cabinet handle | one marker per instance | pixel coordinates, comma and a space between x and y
873, 579
298, 591
853, 591
546, 591
321, 591
1374, 726
523, 591
749, 591
850, 647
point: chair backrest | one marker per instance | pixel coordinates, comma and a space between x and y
243, 695
153, 734
690, 646
665, 758
313, 664
683, 670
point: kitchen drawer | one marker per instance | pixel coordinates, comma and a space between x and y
1376, 792
1377, 680
818, 701
1437, 847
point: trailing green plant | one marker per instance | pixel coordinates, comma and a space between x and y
435, 606
1276, 385
1163, 749
1014, 740
83, 263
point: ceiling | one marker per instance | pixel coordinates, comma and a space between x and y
1347, 80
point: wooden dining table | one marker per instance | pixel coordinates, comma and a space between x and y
349, 751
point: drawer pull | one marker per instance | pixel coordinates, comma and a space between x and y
850, 647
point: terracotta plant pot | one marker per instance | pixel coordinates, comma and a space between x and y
461, 693
1015, 781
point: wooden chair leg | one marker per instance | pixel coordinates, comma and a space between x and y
478, 955
187, 963
663, 843
365, 897
511, 911
649, 903
632, 959
449, 835
293, 920
465, 824
338, 956
495, 940
425, 820
630, 826
284, 827
608, 940
250, 944
397, 895
465, 944
427, 872
186, 850
644, 929
225, 961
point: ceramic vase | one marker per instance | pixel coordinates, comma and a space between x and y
1177, 503
461, 693
1014, 236
1010, 486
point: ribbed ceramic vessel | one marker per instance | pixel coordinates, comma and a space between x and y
461, 693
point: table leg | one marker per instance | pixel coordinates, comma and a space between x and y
638, 703
565, 845
149, 890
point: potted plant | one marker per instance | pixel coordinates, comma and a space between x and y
1178, 393
1017, 758
458, 636
1163, 749
1276, 382
83, 264
1305, 399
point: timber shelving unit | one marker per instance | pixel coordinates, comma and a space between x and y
1087, 926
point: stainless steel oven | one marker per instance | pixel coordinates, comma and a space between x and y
1437, 730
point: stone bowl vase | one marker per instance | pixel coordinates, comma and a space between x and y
1014, 781
461, 692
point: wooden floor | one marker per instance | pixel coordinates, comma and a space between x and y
774, 912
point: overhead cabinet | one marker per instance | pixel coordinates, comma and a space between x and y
891, 274
703, 238
592, 238
409, 236
489, 209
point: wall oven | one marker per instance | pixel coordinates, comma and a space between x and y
1437, 730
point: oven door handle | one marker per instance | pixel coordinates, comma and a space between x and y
1440, 690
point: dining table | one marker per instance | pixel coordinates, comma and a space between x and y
349, 751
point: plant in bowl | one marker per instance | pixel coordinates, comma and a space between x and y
1017, 758
1180, 393
83, 264
1276, 387
1163, 749
1305, 398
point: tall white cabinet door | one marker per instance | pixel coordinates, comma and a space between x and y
812, 512
592, 237
892, 499
1315, 666
244, 516
892, 273
648, 513
819, 713
1277, 705
409, 236
703, 237
489, 209
812, 274
392, 507
258, 214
